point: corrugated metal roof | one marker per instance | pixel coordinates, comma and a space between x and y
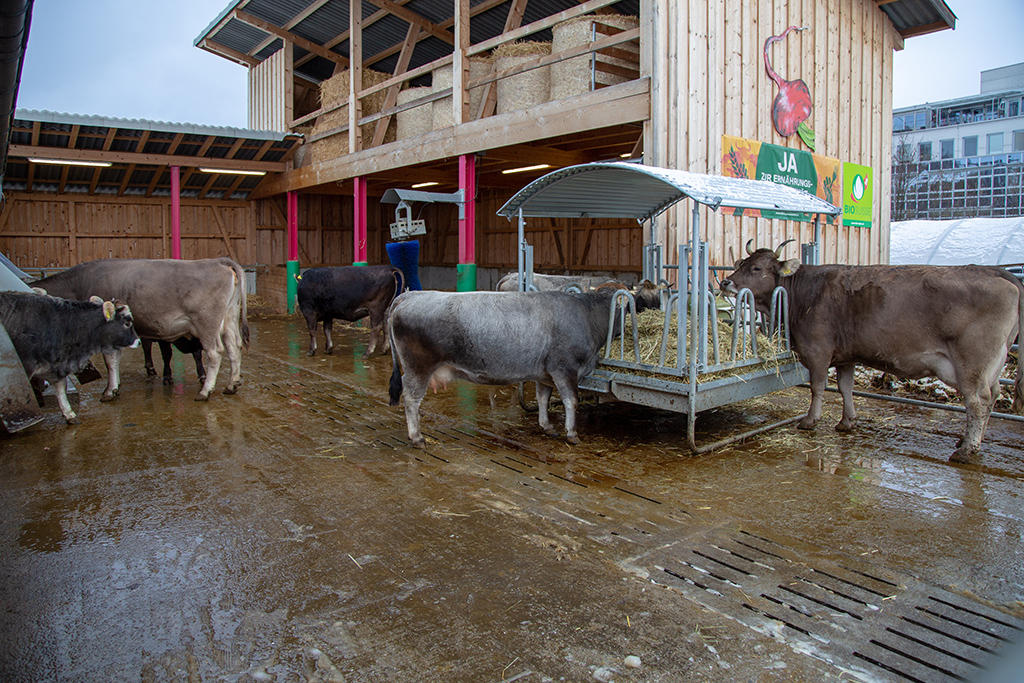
330, 20
627, 190
918, 17
96, 121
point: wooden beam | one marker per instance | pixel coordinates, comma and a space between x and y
539, 25
225, 51
127, 178
144, 159
291, 23
355, 74
307, 45
224, 235
460, 65
414, 18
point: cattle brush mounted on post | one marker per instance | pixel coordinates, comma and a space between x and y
955, 323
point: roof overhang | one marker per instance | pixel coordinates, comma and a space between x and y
918, 17
626, 190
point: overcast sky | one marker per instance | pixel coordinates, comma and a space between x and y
135, 59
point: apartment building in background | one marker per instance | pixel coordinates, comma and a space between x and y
964, 157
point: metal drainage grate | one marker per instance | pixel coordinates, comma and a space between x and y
867, 621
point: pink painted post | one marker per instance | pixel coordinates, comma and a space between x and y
293, 226
466, 268
175, 212
359, 222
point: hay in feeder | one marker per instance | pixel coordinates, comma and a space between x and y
650, 324
479, 66
572, 77
334, 92
418, 120
526, 89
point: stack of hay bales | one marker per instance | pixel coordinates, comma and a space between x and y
479, 66
415, 121
529, 88
572, 77
334, 91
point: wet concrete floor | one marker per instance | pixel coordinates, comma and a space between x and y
290, 533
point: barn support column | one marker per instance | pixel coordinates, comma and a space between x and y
292, 267
466, 268
175, 212
359, 222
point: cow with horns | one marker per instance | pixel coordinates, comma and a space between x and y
952, 322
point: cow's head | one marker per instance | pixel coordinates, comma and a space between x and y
647, 296
761, 272
116, 331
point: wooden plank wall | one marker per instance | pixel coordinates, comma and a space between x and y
708, 78
270, 92
48, 230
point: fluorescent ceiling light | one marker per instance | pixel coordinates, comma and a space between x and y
67, 162
429, 183
232, 171
535, 167
626, 155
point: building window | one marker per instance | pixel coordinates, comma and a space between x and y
995, 143
947, 148
971, 146
1018, 141
1013, 108
924, 151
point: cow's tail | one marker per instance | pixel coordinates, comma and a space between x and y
399, 277
244, 313
395, 385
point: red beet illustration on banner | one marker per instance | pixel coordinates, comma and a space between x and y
792, 106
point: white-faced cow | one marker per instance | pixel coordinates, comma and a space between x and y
55, 337
348, 293
552, 338
951, 322
204, 300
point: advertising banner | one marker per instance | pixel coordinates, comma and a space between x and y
858, 193
818, 175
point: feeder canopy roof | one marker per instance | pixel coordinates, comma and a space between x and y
619, 189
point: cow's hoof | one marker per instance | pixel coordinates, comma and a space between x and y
572, 438
806, 423
202, 397
168, 381
329, 350
231, 390
845, 426
419, 443
550, 432
150, 372
73, 420
964, 454
106, 397
311, 352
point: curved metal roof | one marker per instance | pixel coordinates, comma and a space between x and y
621, 189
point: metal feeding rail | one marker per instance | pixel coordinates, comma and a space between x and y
629, 190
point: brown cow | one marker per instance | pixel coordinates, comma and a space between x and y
169, 299
951, 322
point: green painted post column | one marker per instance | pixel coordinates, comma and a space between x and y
465, 277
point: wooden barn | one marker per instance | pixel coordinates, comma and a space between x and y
350, 99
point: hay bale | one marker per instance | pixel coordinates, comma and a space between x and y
650, 324
418, 120
333, 92
479, 67
529, 88
572, 77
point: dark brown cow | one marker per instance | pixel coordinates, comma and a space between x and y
203, 300
951, 322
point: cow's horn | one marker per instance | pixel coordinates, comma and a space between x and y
750, 249
778, 251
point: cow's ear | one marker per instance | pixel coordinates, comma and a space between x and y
96, 300
789, 267
108, 310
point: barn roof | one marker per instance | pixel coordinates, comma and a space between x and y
250, 31
621, 189
138, 155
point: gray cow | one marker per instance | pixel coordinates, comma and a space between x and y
552, 338
169, 299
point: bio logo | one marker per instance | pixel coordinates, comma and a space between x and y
860, 186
